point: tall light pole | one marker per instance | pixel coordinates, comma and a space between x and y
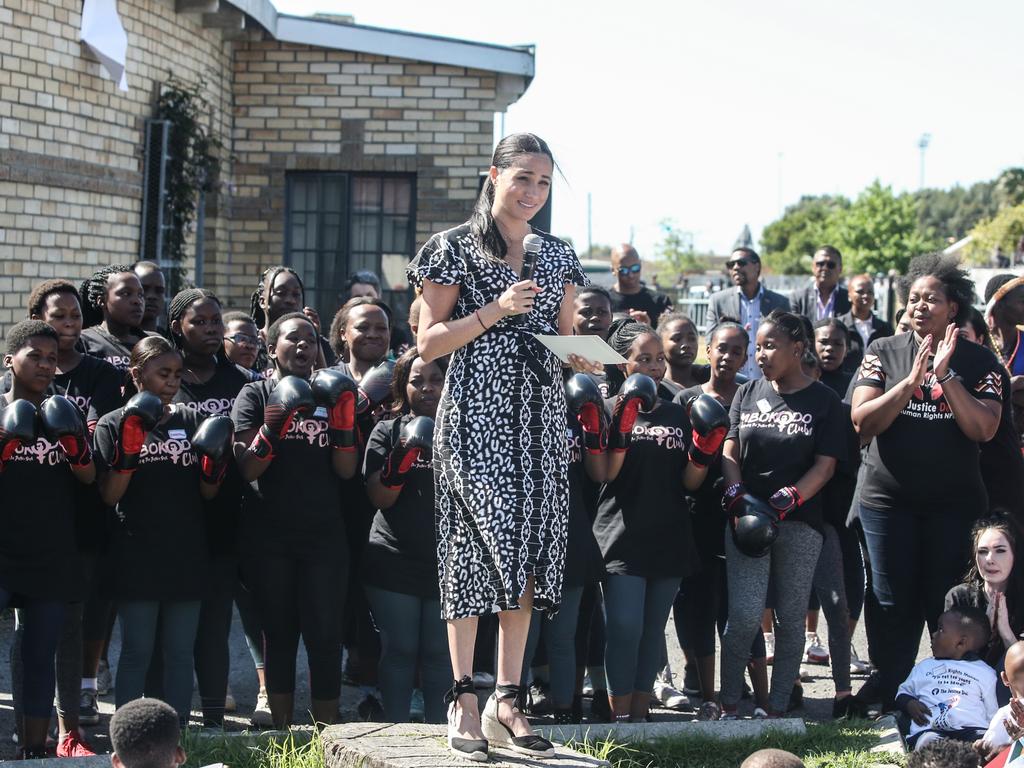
922, 144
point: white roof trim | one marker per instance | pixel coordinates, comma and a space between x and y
390, 42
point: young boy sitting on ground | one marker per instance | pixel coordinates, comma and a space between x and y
1006, 725
953, 694
145, 734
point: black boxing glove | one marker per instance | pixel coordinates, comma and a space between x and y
139, 417
291, 397
731, 495
213, 443
754, 526
710, 423
416, 438
64, 424
638, 393
337, 393
375, 387
18, 426
584, 401
785, 500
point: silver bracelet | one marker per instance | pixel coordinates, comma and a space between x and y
949, 375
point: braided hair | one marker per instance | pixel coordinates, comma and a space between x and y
176, 309
94, 293
263, 290
621, 335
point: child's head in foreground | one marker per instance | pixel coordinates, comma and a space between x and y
772, 758
944, 753
145, 733
961, 630
1013, 669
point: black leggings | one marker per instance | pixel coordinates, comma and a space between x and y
212, 654
590, 628
301, 593
44, 623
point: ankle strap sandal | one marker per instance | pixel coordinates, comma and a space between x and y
501, 735
470, 749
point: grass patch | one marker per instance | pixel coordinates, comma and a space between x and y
299, 749
825, 745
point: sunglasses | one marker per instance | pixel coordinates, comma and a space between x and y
629, 270
242, 338
829, 264
741, 263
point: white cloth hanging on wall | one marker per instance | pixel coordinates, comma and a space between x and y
104, 34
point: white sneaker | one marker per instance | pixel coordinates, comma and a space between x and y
670, 697
814, 651
769, 646
858, 666
261, 716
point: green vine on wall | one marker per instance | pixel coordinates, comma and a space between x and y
193, 164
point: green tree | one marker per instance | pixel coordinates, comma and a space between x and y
788, 243
676, 249
1004, 230
949, 214
1010, 187
879, 231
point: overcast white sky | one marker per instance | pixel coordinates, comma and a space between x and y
682, 109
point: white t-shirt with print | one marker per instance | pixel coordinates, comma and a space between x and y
959, 693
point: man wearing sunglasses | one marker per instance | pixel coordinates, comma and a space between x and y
746, 303
629, 296
824, 297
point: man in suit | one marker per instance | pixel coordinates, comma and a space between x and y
747, 303
824, 297
862, 323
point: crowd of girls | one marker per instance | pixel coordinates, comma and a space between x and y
178, 469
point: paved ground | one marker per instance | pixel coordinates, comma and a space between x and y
817, 693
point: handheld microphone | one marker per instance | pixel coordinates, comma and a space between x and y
531, 249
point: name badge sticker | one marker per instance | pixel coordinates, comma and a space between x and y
320, 412
177, 434
763, 405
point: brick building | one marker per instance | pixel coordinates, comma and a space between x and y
344, 146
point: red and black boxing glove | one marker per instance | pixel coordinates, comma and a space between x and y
638, 392
63, 423
292, 396
18, 426
584, 401
415, 440
213, 443
785, 500
336, 392
710, 423
139, 417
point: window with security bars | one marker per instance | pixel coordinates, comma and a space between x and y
337, 224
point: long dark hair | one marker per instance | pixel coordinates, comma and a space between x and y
481, 223
1015, 584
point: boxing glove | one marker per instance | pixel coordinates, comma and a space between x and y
213, 443
584, 401
730, 496
337, 393
638, 393
64, 424
291, 397
139, 417
710, 423
754, 526
415, 439
375, 387
17, 427
785, 500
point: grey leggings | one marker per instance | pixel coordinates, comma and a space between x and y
560, 643
790, 565
831, 592
636, 611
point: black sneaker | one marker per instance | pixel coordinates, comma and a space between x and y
848, 708
370, 709
691, 685
796, 698
538, 702
600, 708
88, 711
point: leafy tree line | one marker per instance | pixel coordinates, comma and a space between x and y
880, 230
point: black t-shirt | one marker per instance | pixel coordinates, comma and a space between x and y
583, 561
298, 502
101, 344
708, 516
94, 385
669, 389
401, 551
646, 300
923, 459
643, 516
216, 397
38, 551
157, 548
1001, 462
780, 435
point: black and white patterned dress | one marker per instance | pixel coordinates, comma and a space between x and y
500, 459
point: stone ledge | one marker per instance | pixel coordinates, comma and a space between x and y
721, 729
890, 748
